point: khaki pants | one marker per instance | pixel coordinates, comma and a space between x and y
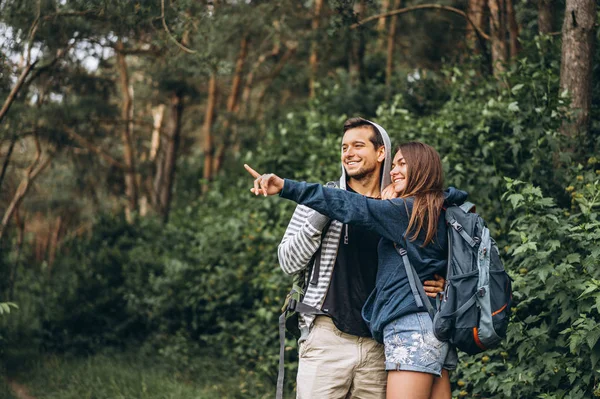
335, 365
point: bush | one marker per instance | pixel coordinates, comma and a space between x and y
88, 299
209, 278
552, 348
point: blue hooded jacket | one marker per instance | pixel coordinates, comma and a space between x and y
392, 297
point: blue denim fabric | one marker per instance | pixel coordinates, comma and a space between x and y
392, 297
410, 345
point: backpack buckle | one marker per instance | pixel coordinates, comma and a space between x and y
292, 305
402, 251
456, 225
481, 291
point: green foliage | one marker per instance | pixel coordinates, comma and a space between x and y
489, 130
127, 375
5, 307
5, 310
553, 254
87, 301
209, 278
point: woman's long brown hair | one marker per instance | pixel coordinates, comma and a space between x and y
425, 178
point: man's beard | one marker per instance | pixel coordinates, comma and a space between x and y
362, 174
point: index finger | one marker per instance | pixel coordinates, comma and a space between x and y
252, 171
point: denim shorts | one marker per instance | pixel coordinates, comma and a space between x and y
410, 345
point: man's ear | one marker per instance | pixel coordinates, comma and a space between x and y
381, 154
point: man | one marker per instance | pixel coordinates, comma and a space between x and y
338, 357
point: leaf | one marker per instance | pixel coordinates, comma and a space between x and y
525, 247
553, 244
574, 344
516, 88
531, 319
514, 106
592, 337
573, 258
588, 290
543, 275
515, 199
595, 355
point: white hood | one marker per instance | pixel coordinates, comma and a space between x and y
387, 163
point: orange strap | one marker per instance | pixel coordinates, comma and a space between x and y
477, 341
500, 310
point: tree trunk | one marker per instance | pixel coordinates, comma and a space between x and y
313, 59
150, 194
513, 29
55, 235
578, 34
128, 149
31, 173
157, 117
236, 82
545, 16
11, 147
498, 35
207, 131
358, 46
20, 222
389, 65
93, 148
15, 90
232, 107
27, 76
291, 50
170, 146
381, 26
220, 153
476, 12
250, 78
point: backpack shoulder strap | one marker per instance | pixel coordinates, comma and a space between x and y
316, 269
299, 306
468, 207
314, 280
416, 286
452, 214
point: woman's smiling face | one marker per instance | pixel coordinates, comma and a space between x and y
399, 173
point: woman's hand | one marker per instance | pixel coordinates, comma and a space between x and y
389, 192
434, 287
267, 184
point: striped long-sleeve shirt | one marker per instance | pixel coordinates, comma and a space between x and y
299, 244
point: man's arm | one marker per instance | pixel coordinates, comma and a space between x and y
301, 240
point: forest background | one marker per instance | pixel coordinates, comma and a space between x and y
134, 262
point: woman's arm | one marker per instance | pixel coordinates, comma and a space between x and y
387, 218
342, 205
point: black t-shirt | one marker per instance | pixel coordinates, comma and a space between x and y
352, 279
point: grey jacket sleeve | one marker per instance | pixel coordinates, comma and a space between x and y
301, 240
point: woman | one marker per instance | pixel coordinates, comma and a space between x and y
415, 221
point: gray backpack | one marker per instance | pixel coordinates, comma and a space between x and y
474, 309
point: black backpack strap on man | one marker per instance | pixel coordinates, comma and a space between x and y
293, 305
289, 316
